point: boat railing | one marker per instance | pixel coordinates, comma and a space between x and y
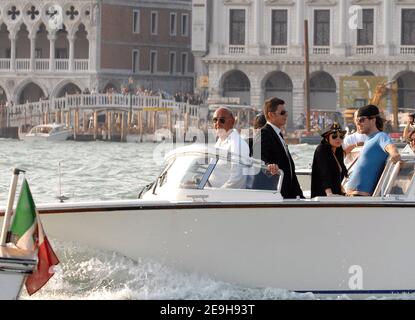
397, 179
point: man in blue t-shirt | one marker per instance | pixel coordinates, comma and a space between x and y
374, 154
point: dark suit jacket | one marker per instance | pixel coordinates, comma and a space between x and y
326, 173
273, 152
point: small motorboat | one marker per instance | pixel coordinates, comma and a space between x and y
327, 245
49, 132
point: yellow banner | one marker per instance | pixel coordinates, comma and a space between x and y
357, 91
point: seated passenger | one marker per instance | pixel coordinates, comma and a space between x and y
377, 148
228, 173
328, 170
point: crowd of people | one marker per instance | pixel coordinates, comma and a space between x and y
330, 163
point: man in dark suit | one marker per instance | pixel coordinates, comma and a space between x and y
274, 151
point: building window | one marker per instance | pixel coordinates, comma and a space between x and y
237, 27
173, 24
365, 35
408, 27
184, 63
61, 53
38, 53
136, 21
153, 61
154, 22
185, 25
279, 27
136, 61
322, 28
8, 53
172, 62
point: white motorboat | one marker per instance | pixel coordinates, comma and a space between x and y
335, 245
14, 268
49, 132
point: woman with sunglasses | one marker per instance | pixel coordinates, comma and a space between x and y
328, 168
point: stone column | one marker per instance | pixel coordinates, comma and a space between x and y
71, 40
299, 34
32, 52
92, 61
298, 97
387, 18
341, 45
258, 30
13, 39
52, 39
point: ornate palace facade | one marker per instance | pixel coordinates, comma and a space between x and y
254, 49
49, 48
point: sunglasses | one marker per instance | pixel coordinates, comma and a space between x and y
282, 113
362, 119
220, 120
338, 135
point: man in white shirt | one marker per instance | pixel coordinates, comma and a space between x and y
353, 141
228, 174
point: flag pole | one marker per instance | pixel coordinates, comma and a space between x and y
9, 209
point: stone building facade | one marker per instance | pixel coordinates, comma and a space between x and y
254, 49
49, 48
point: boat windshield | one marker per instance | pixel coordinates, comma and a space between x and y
397, 179
44, 130
200, 170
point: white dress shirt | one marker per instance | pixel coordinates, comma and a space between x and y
229, 174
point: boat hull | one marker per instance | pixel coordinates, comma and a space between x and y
320, 247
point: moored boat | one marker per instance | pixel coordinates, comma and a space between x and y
253, 237
49, 132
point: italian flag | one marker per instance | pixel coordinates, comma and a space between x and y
28, 230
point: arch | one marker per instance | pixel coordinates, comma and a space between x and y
62, 44
42, 42
22, 42
3, 96
236, 84
23, 84
364, 73
406, 89
81, 42
66, 87
112, 85
30, 92
323, 94
279, 84
4, 41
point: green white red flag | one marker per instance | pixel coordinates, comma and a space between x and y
28, 230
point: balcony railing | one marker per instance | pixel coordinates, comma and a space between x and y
236, 49
319, 50
407, 50
42, 64
62, 64
81, 64
23, 64
4, 64
278, 50
364, 50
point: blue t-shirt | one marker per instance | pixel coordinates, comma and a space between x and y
369, 166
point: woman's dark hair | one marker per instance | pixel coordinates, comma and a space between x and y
260, 121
